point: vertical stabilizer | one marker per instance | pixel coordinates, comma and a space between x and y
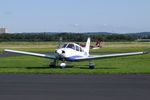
87, 47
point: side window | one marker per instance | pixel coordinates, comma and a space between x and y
77, 48
81, 49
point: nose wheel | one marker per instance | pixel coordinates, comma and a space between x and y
62, 65
54, 64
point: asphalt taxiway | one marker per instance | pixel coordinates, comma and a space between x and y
74, 87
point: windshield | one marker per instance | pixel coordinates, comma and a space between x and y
70, 46
64, 45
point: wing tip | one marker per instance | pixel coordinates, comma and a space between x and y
6, 49
145, 52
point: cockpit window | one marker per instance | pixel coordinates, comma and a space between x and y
71, 46
64, 45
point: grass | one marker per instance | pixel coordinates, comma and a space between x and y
122, 65
138, 64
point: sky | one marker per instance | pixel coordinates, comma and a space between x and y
118, 16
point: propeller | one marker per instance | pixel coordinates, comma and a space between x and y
60, 42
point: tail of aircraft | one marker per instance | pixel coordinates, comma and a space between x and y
87, 46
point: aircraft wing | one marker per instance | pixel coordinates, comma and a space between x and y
109, 56
31, 54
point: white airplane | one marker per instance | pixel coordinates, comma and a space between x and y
74, 53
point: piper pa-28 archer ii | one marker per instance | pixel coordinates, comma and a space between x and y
74, 53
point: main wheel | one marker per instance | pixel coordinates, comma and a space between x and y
52, 65
91, 66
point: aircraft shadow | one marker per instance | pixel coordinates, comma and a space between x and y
109, 68
57, 67
37, 67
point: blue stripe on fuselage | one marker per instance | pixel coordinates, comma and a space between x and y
72, 58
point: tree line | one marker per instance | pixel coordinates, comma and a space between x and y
76, 37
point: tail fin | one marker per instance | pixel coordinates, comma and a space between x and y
87, 47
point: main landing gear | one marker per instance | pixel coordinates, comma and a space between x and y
91, 65
63, 64
53, 64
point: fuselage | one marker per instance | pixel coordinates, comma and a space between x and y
70, 51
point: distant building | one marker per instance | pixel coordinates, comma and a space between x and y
143, 40
3, 30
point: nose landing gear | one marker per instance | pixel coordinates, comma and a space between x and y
54, 64
62, 65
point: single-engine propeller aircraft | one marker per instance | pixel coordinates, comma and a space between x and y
74, 53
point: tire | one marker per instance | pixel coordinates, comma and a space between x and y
52, 65
91, 66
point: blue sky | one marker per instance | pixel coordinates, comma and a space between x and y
75, 15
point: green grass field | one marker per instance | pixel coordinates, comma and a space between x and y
138, 64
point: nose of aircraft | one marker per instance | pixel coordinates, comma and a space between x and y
63, 51
60, 51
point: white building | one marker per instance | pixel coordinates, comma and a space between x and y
3, 30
